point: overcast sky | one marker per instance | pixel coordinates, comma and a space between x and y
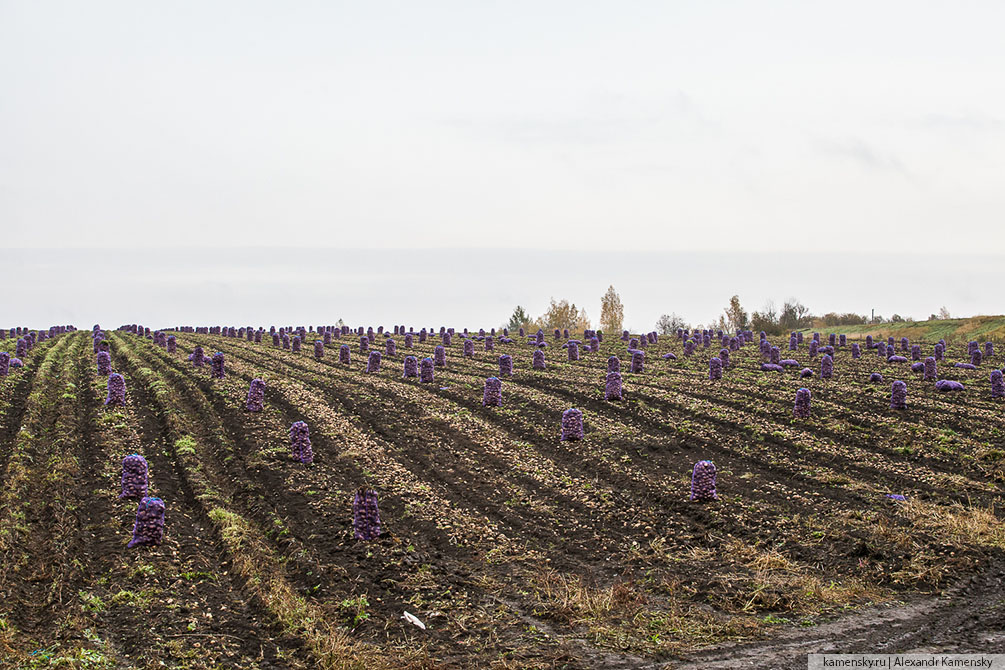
873, 127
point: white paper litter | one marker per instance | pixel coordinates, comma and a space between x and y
411, 618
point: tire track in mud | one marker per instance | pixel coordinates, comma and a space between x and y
968, 618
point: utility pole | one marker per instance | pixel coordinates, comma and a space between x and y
873, 318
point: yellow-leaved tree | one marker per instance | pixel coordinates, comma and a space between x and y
562, 314
612, 312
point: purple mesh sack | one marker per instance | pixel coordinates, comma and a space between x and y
492, 393
801, 410
134, 477
390, 347
364, 344
217, 369
930, 368
715, 368
198, 357
411, 367
343, 354
638, 362
805, 372
703, 482
148, 529
505, 365
997, 385
572, 425
116, 390
365, 515
295, 342
539, 363
300, 443
826, 367
573, 351
256, 396
319, 348
440, 356
614, 364
104, 364
856, 351
612, 387
426, 371
898, 395
373, 362
945, 385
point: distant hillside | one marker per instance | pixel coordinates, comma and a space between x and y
980, 328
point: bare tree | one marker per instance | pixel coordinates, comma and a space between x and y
669, 323
735, 315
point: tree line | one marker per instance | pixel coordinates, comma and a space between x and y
792, 315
